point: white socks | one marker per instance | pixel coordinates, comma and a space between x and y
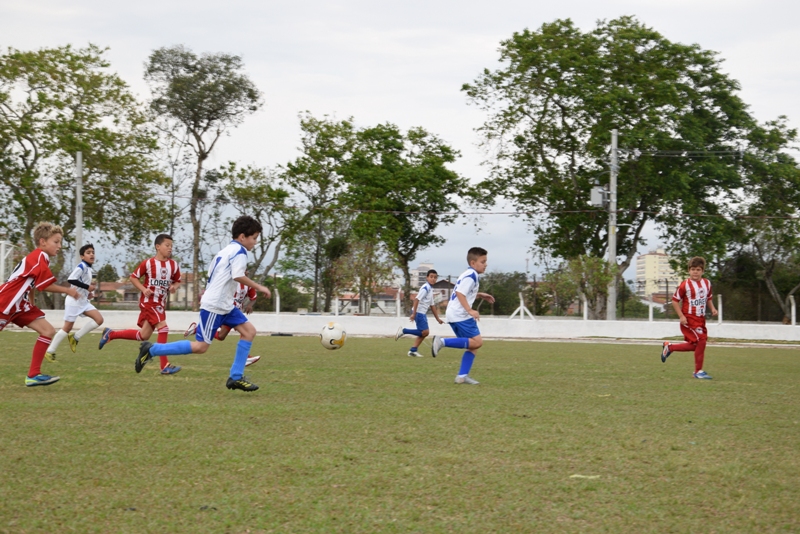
88, 327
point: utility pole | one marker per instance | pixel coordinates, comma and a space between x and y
611, 306
78, 205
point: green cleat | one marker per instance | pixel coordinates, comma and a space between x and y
73, 343
50, 356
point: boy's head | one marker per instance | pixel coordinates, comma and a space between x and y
431, 276
476, 258
47, 237
246, 230
697, 267
87, 253
163, 245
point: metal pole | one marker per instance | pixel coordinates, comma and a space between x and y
611, 306
277, 302
719, 309
78, 205
794, 310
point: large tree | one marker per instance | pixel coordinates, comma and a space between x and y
207, 95
551, 107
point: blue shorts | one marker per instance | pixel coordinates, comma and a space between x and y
210, 323
467, 329
422, 321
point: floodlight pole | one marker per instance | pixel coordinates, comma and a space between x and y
78, 205
611, 306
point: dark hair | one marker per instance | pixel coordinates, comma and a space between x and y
430, 272
160, 238
474, 253
86, 247
245, 225
698, 261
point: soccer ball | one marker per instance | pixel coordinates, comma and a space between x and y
332, 336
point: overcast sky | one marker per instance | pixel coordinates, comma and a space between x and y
401, 62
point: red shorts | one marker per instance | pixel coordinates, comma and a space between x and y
152, 315
21, 319
695, 332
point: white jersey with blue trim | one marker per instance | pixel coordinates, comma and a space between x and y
228, 264
467, 284
82, 273
425, 298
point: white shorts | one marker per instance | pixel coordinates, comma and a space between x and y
73, 311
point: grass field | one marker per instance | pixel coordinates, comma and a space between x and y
367, 439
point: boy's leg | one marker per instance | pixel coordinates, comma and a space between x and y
414, 351
222, 333
60, 336
95, 320
46, 333
691, 339
247, 332
163, 337
699, 355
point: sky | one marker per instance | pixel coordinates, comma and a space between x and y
404, 63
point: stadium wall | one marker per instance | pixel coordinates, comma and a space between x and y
491, 328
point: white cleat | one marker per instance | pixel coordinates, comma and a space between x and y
436, 345
399, 333
415, 354
466, 380
251, 360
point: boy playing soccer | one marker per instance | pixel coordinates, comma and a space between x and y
422, 302
161, 274
81, 278
16, 305
462, 318
689, 302
226, 272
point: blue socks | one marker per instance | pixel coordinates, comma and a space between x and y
240, 360
457, 343
416, 333
466, 363
171, 349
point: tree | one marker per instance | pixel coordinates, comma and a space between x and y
403, 190
207, 95
556, 291
53, 103
550, 110
505, 288
365, 269
107, 273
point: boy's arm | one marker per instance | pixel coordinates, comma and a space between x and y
53, 288
414, 309
676, 305
462, 299
249, 283
486, 296
436, 314
711, 305
140, 286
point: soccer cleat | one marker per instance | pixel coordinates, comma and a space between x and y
242, 383
251, 360
436, 345
415, 354
41, 380
191, 330
104, 338
665, 351
73, 343
144, 356
50, 356
702, 375
399, 333
170, 369
466, 380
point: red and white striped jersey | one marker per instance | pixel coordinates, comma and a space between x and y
33, 271
694, 295
241, 293
159, 276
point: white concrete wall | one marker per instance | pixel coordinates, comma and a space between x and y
515, 328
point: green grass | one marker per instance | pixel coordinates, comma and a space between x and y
368, 440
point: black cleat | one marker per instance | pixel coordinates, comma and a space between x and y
144, 356
243, 383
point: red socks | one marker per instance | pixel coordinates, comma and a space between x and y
132, 335
163, 337
698, 348
39, 348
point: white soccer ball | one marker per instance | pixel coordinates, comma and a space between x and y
332, 336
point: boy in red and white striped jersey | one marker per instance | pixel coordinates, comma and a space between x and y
161, 274
16, 305
690, 301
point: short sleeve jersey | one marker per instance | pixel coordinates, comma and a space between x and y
694, 297
82, 273
467, 284
221, 288
159, 277
243, 292
33, 271
425, 298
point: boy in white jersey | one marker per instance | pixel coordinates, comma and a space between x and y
226, 272
81, 278
422, 302
462, 318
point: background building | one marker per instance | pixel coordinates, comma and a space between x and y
654, 276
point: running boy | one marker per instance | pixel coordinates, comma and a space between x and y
422, 302
226, 272
81, 278
689, 302
15, 302
161, 275
462, 318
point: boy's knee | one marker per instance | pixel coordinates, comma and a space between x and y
424, 333
199, 348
